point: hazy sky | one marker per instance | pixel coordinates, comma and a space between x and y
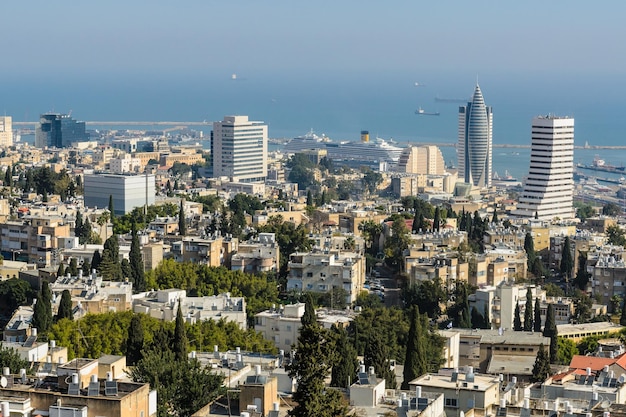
248, 36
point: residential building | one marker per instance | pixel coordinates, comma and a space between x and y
608, 279
462, 391
76, 391
6, 131
475, 141
499, 351
577, 332
426, 159
259, 255
213, 251
282, 324
124, 164
91, 294
128, 191
259, 393
59, 131
18, 328
152, 255
34, 239
239, 149
548, 189
324, 270
163, 305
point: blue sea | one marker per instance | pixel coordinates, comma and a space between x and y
340, 105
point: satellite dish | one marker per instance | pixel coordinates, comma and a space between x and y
605, 404
462, 414
3, 382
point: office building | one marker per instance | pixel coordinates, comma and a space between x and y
6, 131
59, 131
548, 189
425, 159
128, 191
475, 141
239, 149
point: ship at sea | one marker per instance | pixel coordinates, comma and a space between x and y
600, 165
377, 150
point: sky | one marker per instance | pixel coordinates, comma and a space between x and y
155, 39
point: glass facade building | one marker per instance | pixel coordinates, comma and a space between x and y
475, 147
59, 131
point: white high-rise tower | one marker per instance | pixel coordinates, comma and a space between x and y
239, 149
549, 187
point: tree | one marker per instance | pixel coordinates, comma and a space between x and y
550, 330
310, 367
615, 235
183, 387
415, 360
459, 312
622, 319
582, 276
582, 307
309, 198
517, 321
65, 307
8, 178
136, 262
182, 224
396, 244
72, 269
566, 351
537, 320
541, 369
437, 220
377, 355
61, 270
567, 262
346, 362
111, 208
42, 314
528, 311
10, 358
135, 341
78, 225
611, 209
180, 336
494, 219
96, 259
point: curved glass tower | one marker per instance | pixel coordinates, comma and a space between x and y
474, 149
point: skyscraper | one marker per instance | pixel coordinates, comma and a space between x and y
6, 131
59, 131
425, 159
475, 135
548, 189
239, 149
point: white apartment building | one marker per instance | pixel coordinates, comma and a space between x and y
163, 305
282, 324
548, 189
425, 159
239, 149
124, 164
324, 270
6, 131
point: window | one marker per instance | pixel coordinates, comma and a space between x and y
452, 402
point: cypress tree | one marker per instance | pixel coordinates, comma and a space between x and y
96, 259
517, 321
437, 220
567, 262
550, 330
86, 267
73, 268
622, 319
135, 341
86, 231
136, 261
310, 368
309, 198
537, 321
8, 178
415, 363
494, 219
78, 226
65, 307
180, 336
42, 314
528, 311
182, 226
112, 246
541, 369
111, 208
61, 270
346, 365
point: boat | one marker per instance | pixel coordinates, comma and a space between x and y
307, 141
420, 111
233, 77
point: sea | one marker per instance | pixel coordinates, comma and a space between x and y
342, 104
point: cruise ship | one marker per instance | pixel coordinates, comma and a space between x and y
378, 150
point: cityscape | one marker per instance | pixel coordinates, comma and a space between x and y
210, 210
